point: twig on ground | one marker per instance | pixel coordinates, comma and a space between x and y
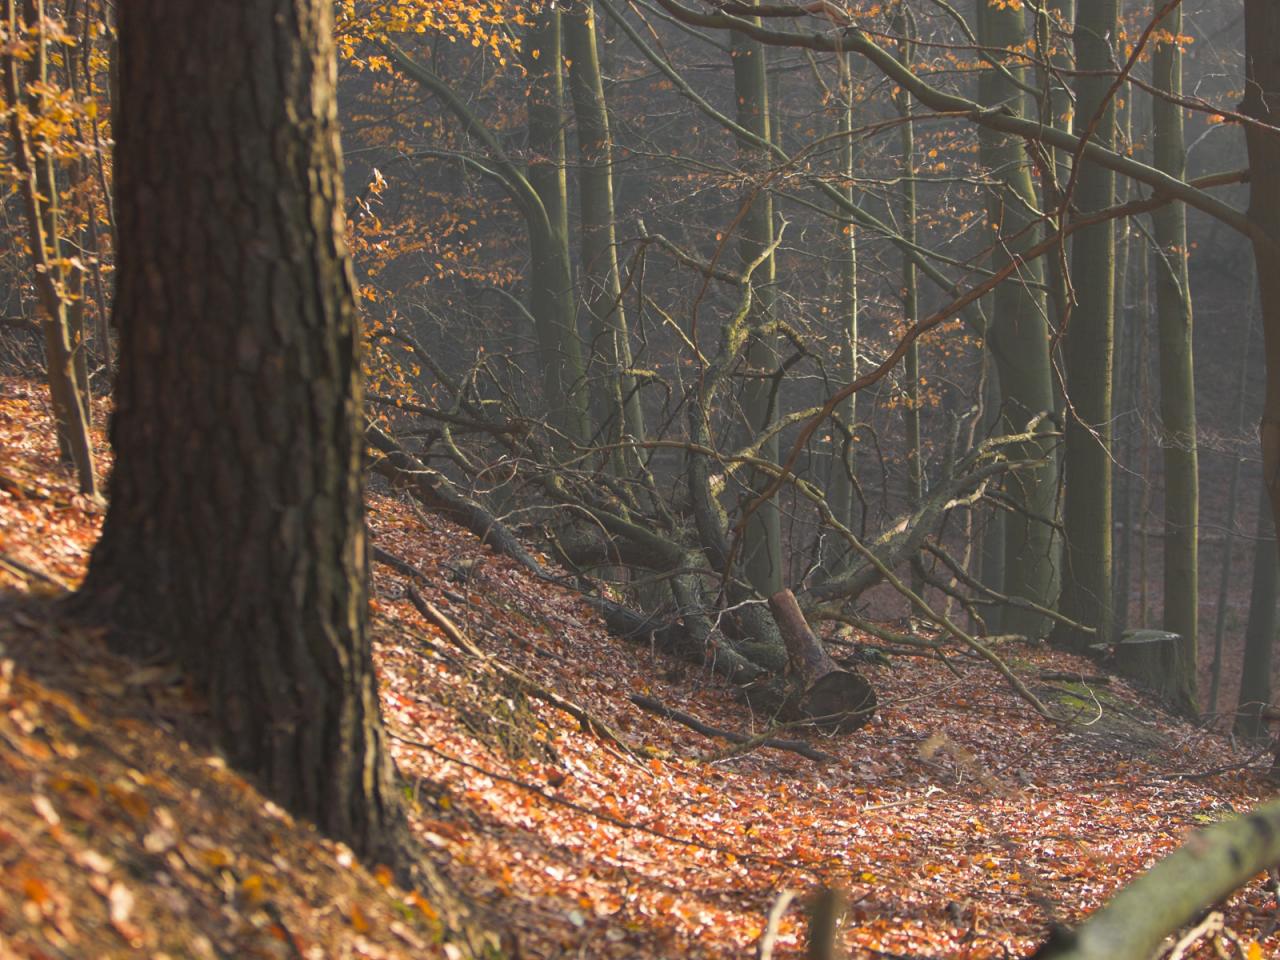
741, 739
1208, 927
22, 570
764, 950
528, 685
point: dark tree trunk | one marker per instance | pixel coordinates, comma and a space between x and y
235, 541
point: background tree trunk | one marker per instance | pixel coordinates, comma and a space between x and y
762, 542
617, 403
1260, 631
551, 273
1086, 590
1177, 378
1018, 336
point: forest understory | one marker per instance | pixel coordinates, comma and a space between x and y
958, 822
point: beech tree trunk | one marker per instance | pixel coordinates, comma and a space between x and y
551, 275
1177, 378
1262, 87
762, 542
616, 402
1086, 588
235, 540
1260, 630
1018, 336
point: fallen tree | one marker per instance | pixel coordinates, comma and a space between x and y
1204, 870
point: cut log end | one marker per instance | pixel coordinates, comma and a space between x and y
839, 702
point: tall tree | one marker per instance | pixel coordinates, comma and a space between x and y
616, 406
762, 543
1086, 590
26, 68
551, 273
1260, 630
1018, 336
842, 485
235, 541
1262, 87
1177, 378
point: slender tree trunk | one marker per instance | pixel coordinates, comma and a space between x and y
1086, 593
235, 541
1054, 24
551, 279
25, 76
1018, 337
1126, 343
1233, 502
1260, 632
1177, 383
904, 26
842, 491
762, 543
616, 404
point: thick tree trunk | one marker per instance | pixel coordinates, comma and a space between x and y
1262, 88
1086, 591
235, 541
1018, 336
1177, 377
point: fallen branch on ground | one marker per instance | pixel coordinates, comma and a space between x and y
693, 723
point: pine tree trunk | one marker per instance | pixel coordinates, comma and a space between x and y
1177, 378
1018, 338
1086, 591
235, 541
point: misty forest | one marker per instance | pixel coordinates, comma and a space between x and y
639, 479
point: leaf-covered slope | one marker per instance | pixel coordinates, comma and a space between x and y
960, 824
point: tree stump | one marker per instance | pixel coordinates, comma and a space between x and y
1154, 660
836, 699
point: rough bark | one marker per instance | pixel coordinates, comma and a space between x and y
1177, 377
1086, 589
235, 541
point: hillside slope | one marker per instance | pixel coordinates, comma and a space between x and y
960, 824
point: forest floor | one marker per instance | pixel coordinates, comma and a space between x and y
959, 823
